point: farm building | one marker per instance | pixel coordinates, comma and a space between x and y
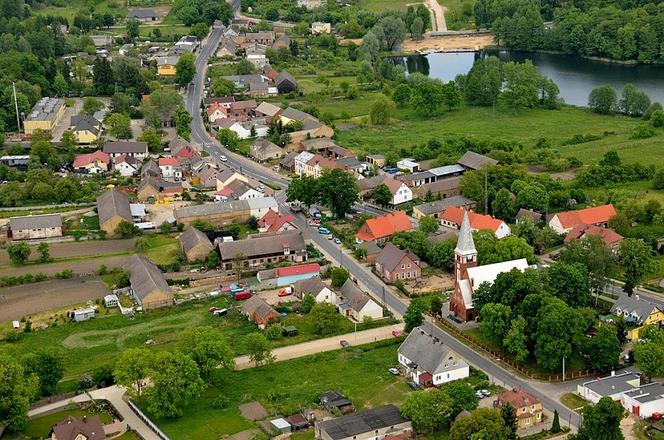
31, 227
113, 208
148, 284
195, 244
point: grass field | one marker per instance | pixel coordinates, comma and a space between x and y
40, 427
573, 401
89, 345
286, 387
24, 212
381, 5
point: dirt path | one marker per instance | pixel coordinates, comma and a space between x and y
17, 302
438, 12
327, 344
448, 43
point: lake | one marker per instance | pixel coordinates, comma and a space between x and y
575, 76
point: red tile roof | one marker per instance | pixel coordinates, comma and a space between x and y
187, 152
517, 398
384, 226
297, 270
214, 107
274, 221
608, 236
166, 161
85, 159
477, 221
588, 216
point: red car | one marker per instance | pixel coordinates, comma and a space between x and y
396, 333
656, 416
212, 309
240, 296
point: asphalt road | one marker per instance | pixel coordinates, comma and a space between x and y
372, 283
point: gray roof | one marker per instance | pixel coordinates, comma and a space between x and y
263, 244
317, 143
635, 306
145, 277
141, 13
371, 247
391, 256
263, 146
259, 86
45, 109
438, 206
535, 216
312, 285
440, 185
35, 222
285, 76
268, 108
112, 203
446, 170
475, 161
429, 354
150, 168
606, 386
353, 295
289, 159
465, 242
256, 305
167, 61
193, 237
212, 208
239, 188
293, 113
85, 122
351, 162
647, 393
119, 147
362, 422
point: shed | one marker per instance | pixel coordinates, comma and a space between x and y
290, 330
83, 314
281, 424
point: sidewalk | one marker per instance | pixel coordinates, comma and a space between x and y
114, 395
322, 345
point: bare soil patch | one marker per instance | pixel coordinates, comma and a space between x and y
253, 411
448, 43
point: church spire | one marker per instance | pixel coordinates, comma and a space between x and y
465, 244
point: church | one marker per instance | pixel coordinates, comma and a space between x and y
468, 275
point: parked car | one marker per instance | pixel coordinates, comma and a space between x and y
337, 240
414, 385
396, 333
285, 291
223, 158
220, 313
485, 393
323, 230
479, 394
330, 237
393, 371
344, 343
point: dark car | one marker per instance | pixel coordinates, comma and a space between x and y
344, 343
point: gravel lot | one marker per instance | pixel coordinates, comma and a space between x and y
19, 301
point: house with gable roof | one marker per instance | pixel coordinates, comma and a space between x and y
527, 407
317, 288
381, 228
428, 361
356, 304
563, 222
93, 163
216, 111
147, 284
401, 193
638, 312
394, 264
272, 221
608, 236
195, 244
74, 428
452, 217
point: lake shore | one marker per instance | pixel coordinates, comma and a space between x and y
448, 43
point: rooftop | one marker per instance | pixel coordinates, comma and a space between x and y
363, 422
35, 222
45, 109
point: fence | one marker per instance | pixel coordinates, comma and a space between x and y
147, 421
452, 329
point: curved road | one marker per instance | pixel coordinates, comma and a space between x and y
375, 286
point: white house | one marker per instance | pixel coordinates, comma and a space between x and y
216, 111
319, 27
408, 164
243, 129
429, 362
357, 305
645, 400
170, 168
126, 166
300, 162
316, 288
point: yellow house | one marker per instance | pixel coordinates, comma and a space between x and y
45, 115
527, 408
166, 66
86, 128
637, 312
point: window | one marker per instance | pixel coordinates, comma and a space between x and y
523, 410
403, 266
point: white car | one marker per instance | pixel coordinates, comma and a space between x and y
393, 371
223, 158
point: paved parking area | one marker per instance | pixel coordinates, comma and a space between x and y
19, 301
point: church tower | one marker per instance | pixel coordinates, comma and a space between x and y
465, 256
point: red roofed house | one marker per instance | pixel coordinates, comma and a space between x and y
216, 111
186, 152
564, 222
274, 222
381, 228
527, 408
453, 216
223, 194
170, 168
610, 237
96, 162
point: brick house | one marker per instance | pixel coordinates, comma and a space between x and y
395, 264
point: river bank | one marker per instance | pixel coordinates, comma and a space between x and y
448, 43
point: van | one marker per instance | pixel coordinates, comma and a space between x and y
220, 312
323, 230
241, 296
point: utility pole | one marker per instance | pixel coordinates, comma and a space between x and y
563, 368
18, 118
486, 191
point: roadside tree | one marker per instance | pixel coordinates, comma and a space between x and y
258, 347
19, 253
132, 369
16, 389
176, 381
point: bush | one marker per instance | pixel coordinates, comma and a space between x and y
221, 402
12, 336
274, 332
657, 118
643, 132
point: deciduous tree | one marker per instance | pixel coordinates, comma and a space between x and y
428, 224
429, 410
414, 316
259, 349
176, 381
48, 366
324, 318
636, 258
601, 421
133, 368
207, 347
19, 253
16, 389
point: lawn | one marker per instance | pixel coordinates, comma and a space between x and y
162, 248
40, 427
92, 344
573, 401
286, 387
381, 5
24, 212
79, 6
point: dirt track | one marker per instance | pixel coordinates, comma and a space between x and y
448, 43
19, 301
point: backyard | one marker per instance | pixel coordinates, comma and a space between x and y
93, 344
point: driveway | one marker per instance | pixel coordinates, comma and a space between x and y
19, 301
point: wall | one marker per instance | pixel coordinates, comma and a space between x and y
28, 234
